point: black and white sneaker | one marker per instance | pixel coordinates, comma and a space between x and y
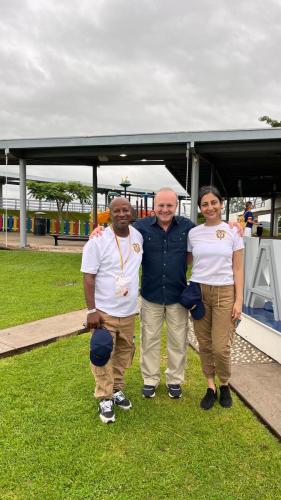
106, 411
148, 391
121, 401
174, 391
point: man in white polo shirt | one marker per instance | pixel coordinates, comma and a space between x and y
111, 273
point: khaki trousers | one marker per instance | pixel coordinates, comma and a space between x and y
110, 377
152, 318
215, 331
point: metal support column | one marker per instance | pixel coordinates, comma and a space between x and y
179, 206
194, 188
227, 209
212, 176
272, 213
95, 196
145, 205
275, 227
22, 176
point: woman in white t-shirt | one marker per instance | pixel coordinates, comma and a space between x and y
217, 254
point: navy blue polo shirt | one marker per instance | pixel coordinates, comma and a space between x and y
248, 214
164, 261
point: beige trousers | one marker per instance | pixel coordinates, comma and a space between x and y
152, 319
110, 377
215, 331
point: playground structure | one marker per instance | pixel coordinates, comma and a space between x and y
41, 225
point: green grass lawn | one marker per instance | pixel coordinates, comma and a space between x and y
36, 285
53, 445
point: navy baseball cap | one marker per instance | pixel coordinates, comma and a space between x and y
191, 298
101, 345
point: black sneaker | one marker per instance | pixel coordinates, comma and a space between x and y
106, 411
148, 391
174, 391
209, 399
121, 401
225, 396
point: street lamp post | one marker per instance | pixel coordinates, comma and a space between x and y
125, 183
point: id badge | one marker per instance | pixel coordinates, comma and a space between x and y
122, 286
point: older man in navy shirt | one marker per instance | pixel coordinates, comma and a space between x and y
164, 268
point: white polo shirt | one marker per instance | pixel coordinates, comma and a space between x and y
102, 256
212, 249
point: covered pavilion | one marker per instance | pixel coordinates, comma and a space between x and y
239, 162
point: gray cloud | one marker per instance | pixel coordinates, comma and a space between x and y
125, 66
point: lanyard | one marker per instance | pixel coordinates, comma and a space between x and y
122, 261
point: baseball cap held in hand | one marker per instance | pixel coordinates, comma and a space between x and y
191, 298
101, 346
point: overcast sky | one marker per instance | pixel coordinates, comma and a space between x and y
95, 67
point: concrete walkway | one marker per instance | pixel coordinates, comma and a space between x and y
255, 377
40, 243
24, 337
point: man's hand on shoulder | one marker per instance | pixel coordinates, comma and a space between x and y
238, 226
98, 231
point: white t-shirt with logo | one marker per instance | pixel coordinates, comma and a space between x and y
116, 291
212, 249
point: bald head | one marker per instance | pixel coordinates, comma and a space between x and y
166, 192
121, 215
165, 205
118, 202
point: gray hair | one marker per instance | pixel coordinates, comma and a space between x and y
167, 189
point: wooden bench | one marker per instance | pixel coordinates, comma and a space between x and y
66, 237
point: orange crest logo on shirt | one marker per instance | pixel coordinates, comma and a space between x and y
220, 233
136, 247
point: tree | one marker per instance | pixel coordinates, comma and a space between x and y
80, 192
60, 192
236, 205
51, 191
270, 121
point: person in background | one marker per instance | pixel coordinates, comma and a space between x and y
217, 254
248, 218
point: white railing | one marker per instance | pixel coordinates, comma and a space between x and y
45, 206
51, 206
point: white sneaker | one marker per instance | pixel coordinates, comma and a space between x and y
106, 411
121, 401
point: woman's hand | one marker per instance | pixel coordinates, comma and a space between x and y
237, 310
240, 229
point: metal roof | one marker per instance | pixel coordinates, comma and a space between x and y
240, 162
13, 178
